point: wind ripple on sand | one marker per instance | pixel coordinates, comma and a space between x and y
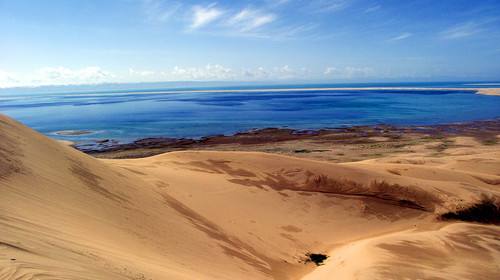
234, 215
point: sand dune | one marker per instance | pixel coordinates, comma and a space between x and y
238, 215
458, 251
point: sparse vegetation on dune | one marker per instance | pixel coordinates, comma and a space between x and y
486, 211
242, 215
317, 259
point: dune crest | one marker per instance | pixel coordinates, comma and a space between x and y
236, 215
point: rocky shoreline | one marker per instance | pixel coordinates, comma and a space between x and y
484, 131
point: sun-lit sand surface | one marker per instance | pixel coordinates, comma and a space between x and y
66, 142
241, 215
489, 91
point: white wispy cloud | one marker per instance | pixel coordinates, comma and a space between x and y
278, 2
160, 10
203, 15
250, 19
348, 72
62, 75
462, 30
209, 72
325, 6
329, 70
281, 32
296, 31
260, 73
402, 36
285, 72
372, 9
8, 79
218, 72
260, 20
56, 76
142, 73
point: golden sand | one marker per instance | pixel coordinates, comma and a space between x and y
240, 215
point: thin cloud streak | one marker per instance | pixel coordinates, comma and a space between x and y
400, 37
160, 10
462, 30
250, 19
372, 9
328, 6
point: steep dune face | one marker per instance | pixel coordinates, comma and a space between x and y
65, 215
224, 215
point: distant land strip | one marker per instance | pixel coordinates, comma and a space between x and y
484, 91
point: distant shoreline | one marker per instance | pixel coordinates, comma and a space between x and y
483, 91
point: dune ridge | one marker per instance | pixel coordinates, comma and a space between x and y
239, 215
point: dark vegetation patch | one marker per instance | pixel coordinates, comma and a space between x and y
291, 228
389, 193
317, 259
394, 171
486, 211
283, 194
404, 196
217, 167
306, 151
302, 151
445, 144
490, 141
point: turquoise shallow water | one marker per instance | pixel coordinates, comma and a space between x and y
128, 115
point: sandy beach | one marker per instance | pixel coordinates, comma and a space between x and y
247, 215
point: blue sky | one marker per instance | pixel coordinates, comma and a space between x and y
57, 42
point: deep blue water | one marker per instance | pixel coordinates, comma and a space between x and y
129, 115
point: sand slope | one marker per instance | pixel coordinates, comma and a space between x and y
458, 251
235, 215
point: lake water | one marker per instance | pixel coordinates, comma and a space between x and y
128, 115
